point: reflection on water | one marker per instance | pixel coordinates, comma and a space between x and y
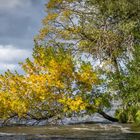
72, 132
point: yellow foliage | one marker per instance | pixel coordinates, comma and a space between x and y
49, 17
76, 104
53, 3
43, 33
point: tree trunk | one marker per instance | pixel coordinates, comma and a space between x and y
106, 116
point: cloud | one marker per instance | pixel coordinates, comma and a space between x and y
20, 21
7, 4
23, 20
11, 4
12, 67
10, 56
10, 53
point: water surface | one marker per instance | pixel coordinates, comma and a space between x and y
98, 131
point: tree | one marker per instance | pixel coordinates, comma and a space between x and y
108, 31
85, 56
55, 86
130, 93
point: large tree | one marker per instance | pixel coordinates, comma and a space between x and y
108, 32
85, 56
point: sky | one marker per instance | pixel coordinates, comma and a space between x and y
20, 21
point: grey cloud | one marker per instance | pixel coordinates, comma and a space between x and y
26, 43
20, 20
10, 28
12, 4
6, 4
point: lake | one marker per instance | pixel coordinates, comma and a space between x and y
97, 131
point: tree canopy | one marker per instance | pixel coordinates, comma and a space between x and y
86, 55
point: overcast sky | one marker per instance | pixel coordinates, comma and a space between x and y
20, 21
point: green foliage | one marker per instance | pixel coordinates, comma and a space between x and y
138, 117
130, 94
